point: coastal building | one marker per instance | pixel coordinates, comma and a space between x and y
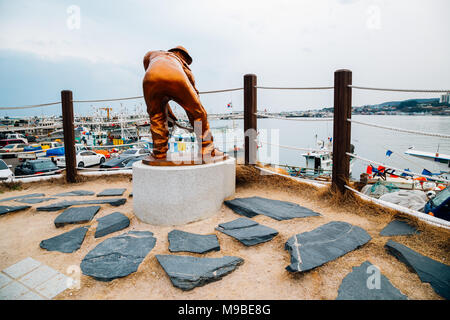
445, 98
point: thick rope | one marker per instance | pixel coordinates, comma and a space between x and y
140, 97
295, 148
217, 91
31, 106
400, 90
431, 134
112, 122
293, 119
294, 88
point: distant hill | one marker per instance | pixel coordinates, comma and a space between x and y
397, 103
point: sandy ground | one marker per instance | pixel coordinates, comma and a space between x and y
263, 274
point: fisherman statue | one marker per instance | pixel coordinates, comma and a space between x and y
169, 78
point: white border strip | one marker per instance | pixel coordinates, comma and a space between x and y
313, 183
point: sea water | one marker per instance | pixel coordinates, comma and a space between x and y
370, 143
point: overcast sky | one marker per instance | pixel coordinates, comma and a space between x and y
45, 47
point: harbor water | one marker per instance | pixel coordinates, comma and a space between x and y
370, 143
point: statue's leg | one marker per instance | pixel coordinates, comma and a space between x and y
198, 119
156, 108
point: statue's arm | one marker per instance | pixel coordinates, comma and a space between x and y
190, 76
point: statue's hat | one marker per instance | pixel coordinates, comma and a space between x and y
184, 52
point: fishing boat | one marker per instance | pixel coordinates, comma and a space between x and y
441, 160
320, 162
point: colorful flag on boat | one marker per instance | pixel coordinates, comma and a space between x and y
426, 172
230, 105
388, 153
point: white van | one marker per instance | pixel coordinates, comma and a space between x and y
17, 136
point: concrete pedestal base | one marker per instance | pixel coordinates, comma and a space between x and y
181, 194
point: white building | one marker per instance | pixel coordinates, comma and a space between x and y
445, 98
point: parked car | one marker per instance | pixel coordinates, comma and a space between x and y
5, 142
439, 206
31, 167
17, 136
103, 152
31, 138
84, 158
5, 171
134, 152
31, 152
121, 162
132, 160
11, 148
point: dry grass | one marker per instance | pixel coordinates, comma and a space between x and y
432, 241
10, 186
263, 274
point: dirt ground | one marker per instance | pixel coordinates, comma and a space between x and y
263, 274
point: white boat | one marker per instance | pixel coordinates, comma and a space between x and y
321, 161
442, 160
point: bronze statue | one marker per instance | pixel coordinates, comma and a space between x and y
168, 77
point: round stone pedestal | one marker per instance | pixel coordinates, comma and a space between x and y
174, 195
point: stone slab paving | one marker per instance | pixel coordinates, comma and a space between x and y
326, 243
431, 271
111, 223
29, 279
8, 209
76, 215
66, 204
38, 276
4, 280
75, 193
275, 209
118, 256
67, 242
54, 286
22, 267
34, 200
181, 241
187, 272
13, 291
398, 228
111, 192
360, 285
247, 231
24, 196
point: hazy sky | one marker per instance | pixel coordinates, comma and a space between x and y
45, 48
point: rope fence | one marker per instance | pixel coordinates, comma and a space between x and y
112, 122
292, 118
294, 88
106, 100
430, 134
218, 91
236, 89
31, 106
399, 90
294, 148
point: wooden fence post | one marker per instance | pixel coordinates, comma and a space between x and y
69, 135
250, 118
341, 128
